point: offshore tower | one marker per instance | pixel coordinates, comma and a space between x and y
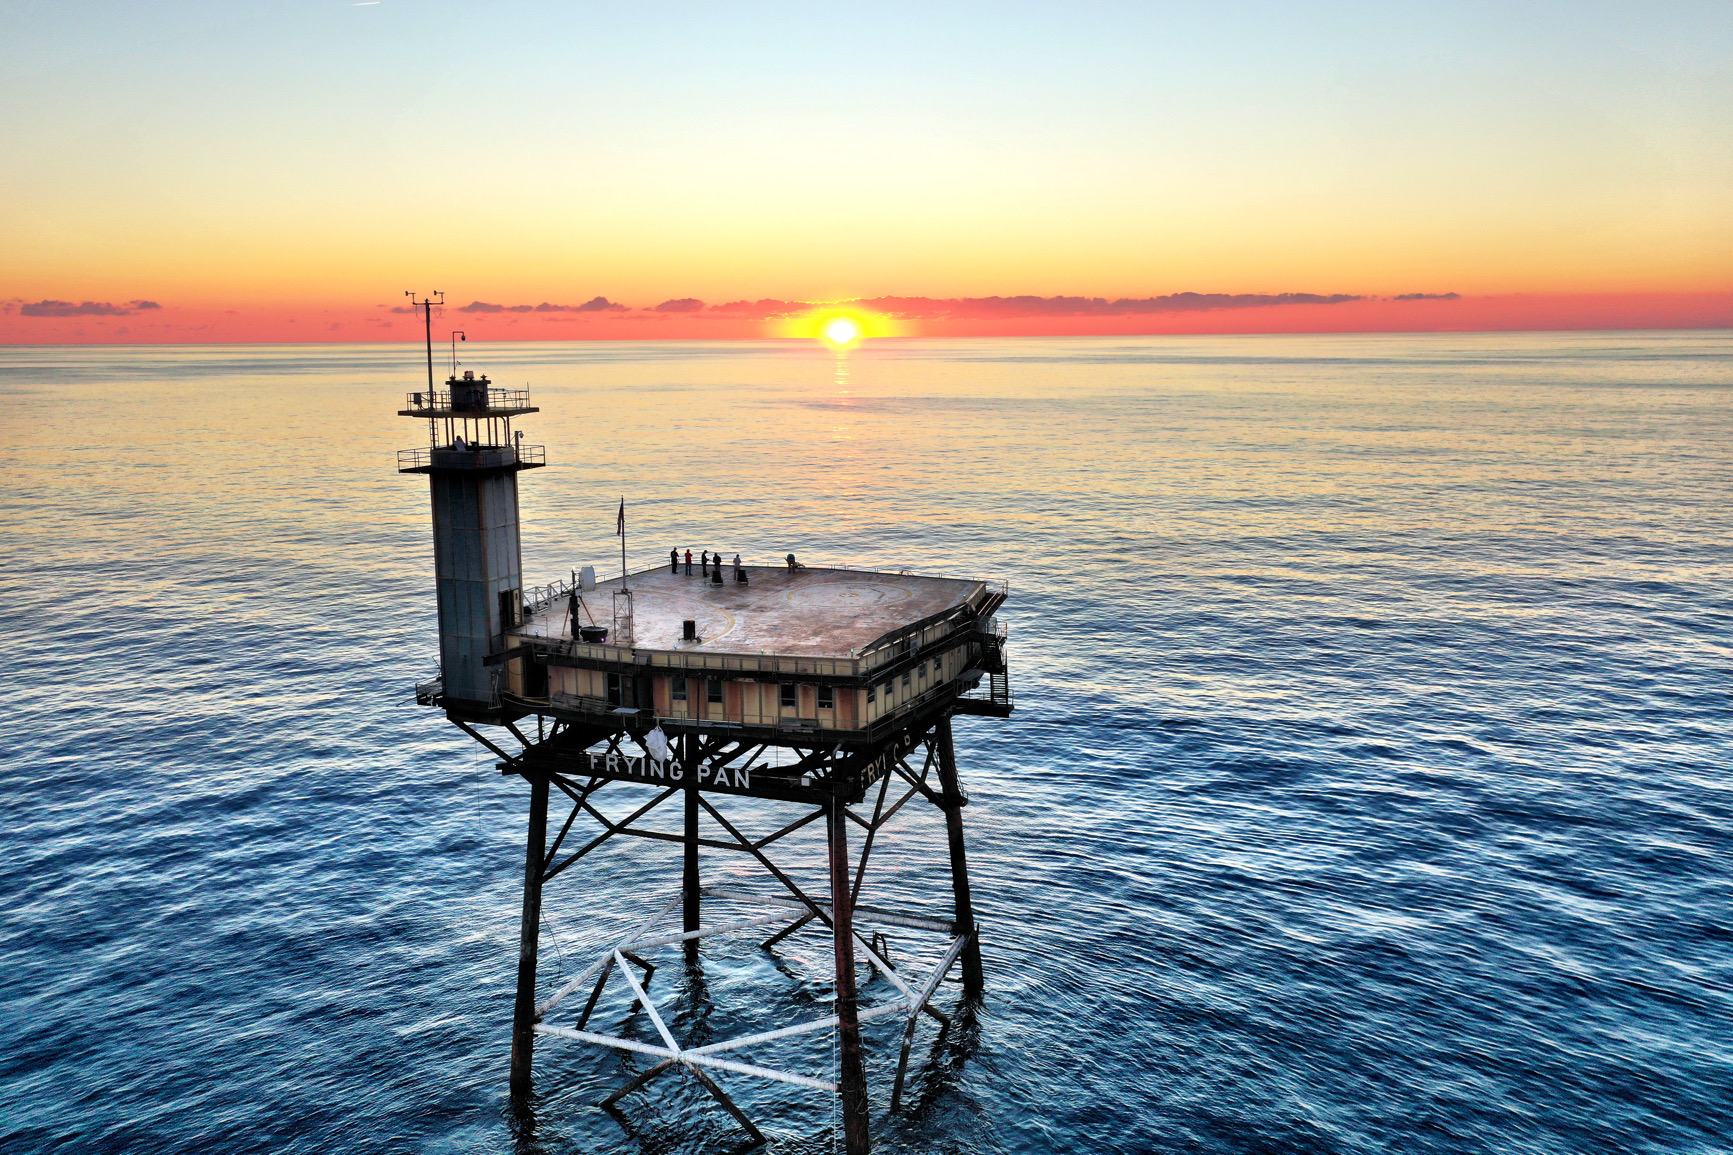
812, 689
472, 459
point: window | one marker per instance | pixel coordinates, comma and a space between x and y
677, 689
905, 681
790, 697
872, 694
826, 698
713, 690
510, 607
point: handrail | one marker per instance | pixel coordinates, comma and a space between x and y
440, 400
485, 456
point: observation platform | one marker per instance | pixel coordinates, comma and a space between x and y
471, 458
835, 613
467, 397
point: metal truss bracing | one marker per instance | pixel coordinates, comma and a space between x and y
910, 1003
584, 770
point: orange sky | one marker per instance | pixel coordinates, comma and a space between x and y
280, 174
1510, 312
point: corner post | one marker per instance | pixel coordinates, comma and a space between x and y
524, 1016
689, 879
856, 1136
973, 980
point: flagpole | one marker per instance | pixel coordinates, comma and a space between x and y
622, 541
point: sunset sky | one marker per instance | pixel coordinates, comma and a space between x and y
284, 171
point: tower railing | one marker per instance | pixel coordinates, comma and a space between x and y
484, 456
440, 399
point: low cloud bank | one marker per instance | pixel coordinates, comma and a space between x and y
84, 309
992, 308
593, 305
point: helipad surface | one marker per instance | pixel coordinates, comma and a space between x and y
817, 612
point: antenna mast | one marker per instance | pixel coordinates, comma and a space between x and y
426, 306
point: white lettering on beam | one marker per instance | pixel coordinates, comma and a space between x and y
619, 765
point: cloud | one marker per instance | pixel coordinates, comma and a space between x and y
958, 308
762, 309
593, 305
987, 308
485, 307
84, 309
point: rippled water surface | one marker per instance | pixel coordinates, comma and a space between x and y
1368, 787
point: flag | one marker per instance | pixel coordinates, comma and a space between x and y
620, 529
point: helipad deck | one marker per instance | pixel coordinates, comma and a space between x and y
810, 612
837, 650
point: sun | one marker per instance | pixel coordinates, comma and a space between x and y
842, 325
841, 331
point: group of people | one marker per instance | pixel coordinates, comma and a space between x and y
709, 566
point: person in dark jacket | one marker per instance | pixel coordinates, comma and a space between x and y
674, 561
704, 563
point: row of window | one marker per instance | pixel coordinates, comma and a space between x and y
713, 693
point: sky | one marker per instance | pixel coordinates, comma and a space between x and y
285, 171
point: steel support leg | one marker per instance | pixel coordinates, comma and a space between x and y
856, 1136
690, 881
524, 1017
973, 980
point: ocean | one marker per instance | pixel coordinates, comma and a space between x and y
1367, 789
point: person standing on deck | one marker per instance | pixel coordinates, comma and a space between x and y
674, 561
739, 570
688, 563
704, 563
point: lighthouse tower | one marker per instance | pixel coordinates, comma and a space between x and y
472, 459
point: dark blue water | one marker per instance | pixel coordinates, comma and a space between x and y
1367, 790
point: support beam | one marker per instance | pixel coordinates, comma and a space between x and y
721, 1097
690, 882
973, 979
642, 1078
786, 931
921, 1001
856, 1134
590, 1007
524, 1016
